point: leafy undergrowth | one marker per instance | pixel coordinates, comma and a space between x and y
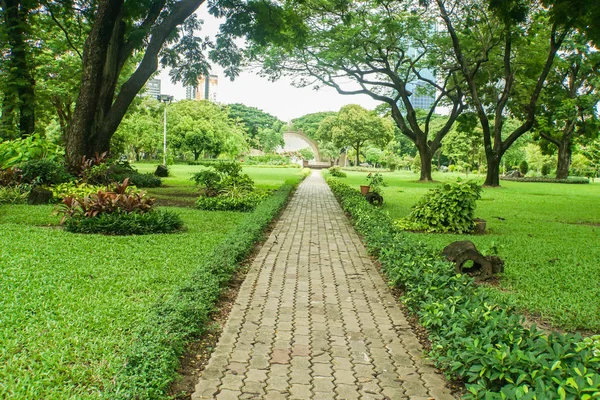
547, 234
109, 316
474, 338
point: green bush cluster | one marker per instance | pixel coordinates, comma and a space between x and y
543, 179
122, 211
449, 208
267, 159
224, 187
154, 356
337, 172
473, 338
208, 162
229, 203
44, 171
14, 194
156, 221
107, 172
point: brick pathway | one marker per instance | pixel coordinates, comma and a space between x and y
314, 319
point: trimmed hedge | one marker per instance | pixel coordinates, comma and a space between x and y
543, 179
119, 223
154, 355
227, 203
474, 339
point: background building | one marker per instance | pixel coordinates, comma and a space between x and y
153, 88
206, 90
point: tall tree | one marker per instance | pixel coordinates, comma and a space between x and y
120, 30
354, 126
253, 121
569, 104
381, 48
504, 68
202, 127
18, 102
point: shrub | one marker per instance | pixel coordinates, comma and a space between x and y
473, 339
133, 223
230, 203
449, 208
73, 189
140, 180
523, 167
545, 169
44, 171
570, 179
208, 180
337, 172
14, 194
267, 159
34, 147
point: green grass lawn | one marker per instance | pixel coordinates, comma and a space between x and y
70, 303
548, 235
178, 190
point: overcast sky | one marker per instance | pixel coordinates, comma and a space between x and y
278, 98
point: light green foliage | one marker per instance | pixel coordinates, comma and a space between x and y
14, 194
547, 234
34, 147
253, 122
307, 154
474, 337
535, 159
337, 172
309, 123
203, 128
355, 126
447, 209
141, 131
376, 182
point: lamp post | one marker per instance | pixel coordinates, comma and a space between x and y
165, 98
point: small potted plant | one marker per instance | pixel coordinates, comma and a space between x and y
375, 183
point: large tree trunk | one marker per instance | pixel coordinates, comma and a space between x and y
564, 160
20, 82
98, 112
492, 177
426, 156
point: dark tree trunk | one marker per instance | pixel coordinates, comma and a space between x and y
357, 148
564, 160
196, 155
492, 177
426, 156
98, 111
20, 82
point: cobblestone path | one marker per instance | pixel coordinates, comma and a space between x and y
314, 319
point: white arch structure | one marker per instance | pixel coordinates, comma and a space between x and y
291, 136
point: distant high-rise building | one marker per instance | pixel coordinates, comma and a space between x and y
153, 88
207, 88
190, 92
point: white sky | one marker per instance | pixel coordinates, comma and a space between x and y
277, 98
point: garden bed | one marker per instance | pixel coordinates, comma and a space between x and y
474, 337
110, 316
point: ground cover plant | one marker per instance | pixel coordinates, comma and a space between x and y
109, 316
474, 337
548, 235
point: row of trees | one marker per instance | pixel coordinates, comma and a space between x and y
527, 61
83, 62
199, 128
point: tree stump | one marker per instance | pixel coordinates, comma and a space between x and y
39, 195
484, 267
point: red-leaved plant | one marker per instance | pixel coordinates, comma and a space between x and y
120, 200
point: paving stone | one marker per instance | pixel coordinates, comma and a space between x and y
314, 319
